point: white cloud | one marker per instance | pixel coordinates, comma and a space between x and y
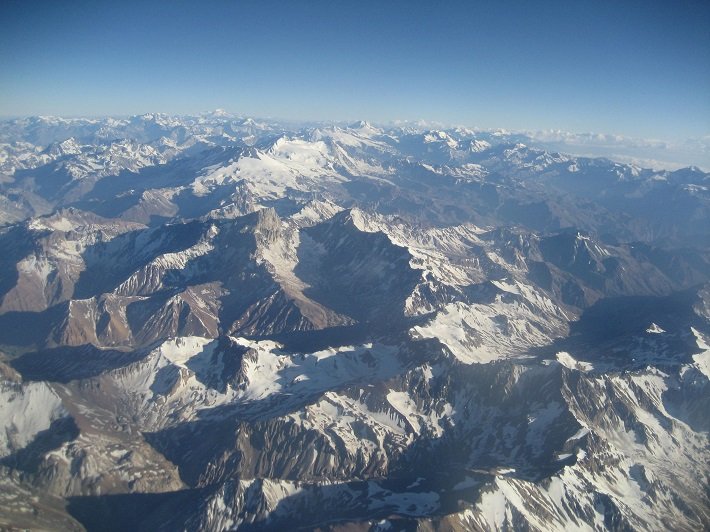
651, 153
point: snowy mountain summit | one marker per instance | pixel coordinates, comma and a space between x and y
216, 323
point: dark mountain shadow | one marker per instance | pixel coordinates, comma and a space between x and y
614, 331
657, 209
355, 273
307, 341
535, 215
111, 207
689, 402
194, 445
686, 266
16, 243
28, 458
191, 206
137, 512
110, 263
47, 180
30, 328
288, 206
113, 195
400, 500
614, 317
156, 220
566, 251
217, 363
312, 507
68, 363
180, 171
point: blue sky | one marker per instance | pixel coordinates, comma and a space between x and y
639, 68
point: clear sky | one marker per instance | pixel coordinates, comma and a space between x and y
639, 68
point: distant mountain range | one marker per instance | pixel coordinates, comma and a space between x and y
217, 323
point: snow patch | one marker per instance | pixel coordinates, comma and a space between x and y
570, 362
702, 360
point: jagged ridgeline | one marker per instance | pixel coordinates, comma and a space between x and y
216, 323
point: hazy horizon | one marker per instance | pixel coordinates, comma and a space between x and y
658, 154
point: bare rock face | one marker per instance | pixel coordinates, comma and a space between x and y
221, 324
